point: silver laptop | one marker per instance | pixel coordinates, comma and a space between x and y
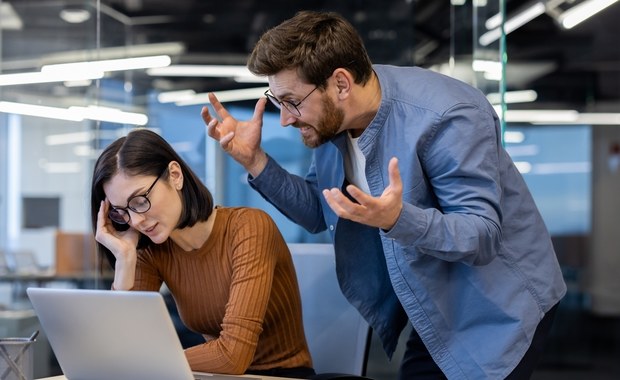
119, 335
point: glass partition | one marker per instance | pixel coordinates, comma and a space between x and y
51, 132
46, 149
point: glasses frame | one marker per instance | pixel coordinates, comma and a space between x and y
290, 106
128, 208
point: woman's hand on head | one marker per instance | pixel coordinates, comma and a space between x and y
120, 243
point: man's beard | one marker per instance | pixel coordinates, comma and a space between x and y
327, 127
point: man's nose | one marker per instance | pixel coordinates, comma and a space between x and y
287, 117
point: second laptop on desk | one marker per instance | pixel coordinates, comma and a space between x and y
113, 335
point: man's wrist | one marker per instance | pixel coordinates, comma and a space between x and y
259, 165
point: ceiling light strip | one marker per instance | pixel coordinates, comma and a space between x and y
40, 77
216, 71
226, 96
83, 71
110, 64
511, 24
111, 115
583, 11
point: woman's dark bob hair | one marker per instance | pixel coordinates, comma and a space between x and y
144, 152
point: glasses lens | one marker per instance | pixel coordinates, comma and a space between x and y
118, 216
273, 100
290, 107
139, 204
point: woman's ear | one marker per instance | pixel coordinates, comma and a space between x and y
175, 175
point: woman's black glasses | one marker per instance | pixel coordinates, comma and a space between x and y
138, 204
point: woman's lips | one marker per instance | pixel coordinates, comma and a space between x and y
150, 229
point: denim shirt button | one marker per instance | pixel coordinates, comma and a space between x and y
331, 227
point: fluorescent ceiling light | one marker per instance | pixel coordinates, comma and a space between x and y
571, 117
60, 167
110, 64
201, 71
130, 51
486, 66
175, 96
583, 11
40, 77
83, 71
496, 76
74, 15
547, 168
85, 151
111, 115
167, 48
523, 96
524, 17
9, 20
523, 167
511, 24
522, 149
492, 69
81, 137
239, 73
69, 138
541, 116
226, 96
494, 21
514, 137
78, 83
40, 111
250, 79
599, 118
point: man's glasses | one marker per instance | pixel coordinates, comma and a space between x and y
290, 106
138, 204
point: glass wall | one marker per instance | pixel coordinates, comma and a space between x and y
47, 153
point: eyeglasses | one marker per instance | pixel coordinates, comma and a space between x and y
138, 204
290, 106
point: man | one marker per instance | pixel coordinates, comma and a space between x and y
430, 220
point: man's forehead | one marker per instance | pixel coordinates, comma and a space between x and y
286, 82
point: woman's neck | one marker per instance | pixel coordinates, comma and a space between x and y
194, 237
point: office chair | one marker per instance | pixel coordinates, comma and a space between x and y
338, 336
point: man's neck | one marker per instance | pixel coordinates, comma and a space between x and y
365, 106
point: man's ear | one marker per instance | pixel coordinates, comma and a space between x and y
344, 81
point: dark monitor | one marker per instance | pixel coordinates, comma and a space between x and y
38, 212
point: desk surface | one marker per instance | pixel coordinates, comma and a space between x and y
248, 376
48, 276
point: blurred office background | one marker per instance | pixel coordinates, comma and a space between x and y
77, 74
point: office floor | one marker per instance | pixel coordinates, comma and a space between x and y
581, 346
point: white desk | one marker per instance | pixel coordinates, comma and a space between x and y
248, 376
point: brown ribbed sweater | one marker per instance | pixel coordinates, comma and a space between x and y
239, 290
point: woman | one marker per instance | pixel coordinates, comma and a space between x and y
228, 269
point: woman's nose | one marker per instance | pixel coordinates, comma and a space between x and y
135, 218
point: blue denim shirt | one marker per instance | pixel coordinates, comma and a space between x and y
469, 259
